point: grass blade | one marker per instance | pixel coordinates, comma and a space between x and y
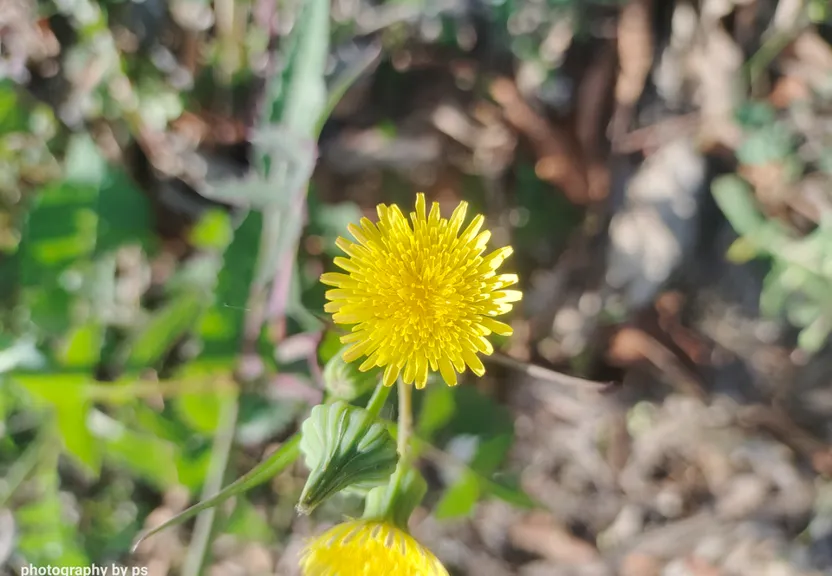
264, 471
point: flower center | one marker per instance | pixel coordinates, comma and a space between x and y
424, 305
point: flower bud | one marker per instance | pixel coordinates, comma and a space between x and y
345, 448
397, 500
344, 381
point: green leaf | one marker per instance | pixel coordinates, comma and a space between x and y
295, 101
802, 312
459, 500
815, 335
437, 409
491, 452
83, 346
84, 164
735, 199
741, 251
768, 144
825, 160
344, 447
755, 114
273, 465
200, 411
248, 523
72, 422
509, 492
59, 231
165, 327
298, 96
148, 457
543, 221
505, 491
11, 119
191, 468
345, 79
478, 415
222, 325
213, 231
774, 294
329, 221
66, 395
124, 212
45, 537
263, 419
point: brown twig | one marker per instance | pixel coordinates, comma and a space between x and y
778, 423
654, 135
550, 375
559, 159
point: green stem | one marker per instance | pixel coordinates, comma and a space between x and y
405, 418
20, 470
379, 397
205, 523
405, 428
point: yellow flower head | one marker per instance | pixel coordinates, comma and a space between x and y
420, 294
368, 548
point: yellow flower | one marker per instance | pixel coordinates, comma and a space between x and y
368, 548
420, 294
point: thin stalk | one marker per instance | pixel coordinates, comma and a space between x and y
404, 431
378, 399
405, 418
204, 528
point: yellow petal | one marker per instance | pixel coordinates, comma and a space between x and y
507, 295
474, 362
338, 280
409, 372
356, 232
338, 294
447, 371
484, 346
481, 241
458, 362
391, 372
457, 218
472, 229
434, 216
420, 206
346, 264
357, 350
369, 363
352, 337
504, 280
370, 230
421, 372
496, 258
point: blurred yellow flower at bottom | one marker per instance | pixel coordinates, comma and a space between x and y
368, 548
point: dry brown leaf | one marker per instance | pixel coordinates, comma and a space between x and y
813, 50
559, 159
788, 90
639, 564
540, 534
635, 50
591, 104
